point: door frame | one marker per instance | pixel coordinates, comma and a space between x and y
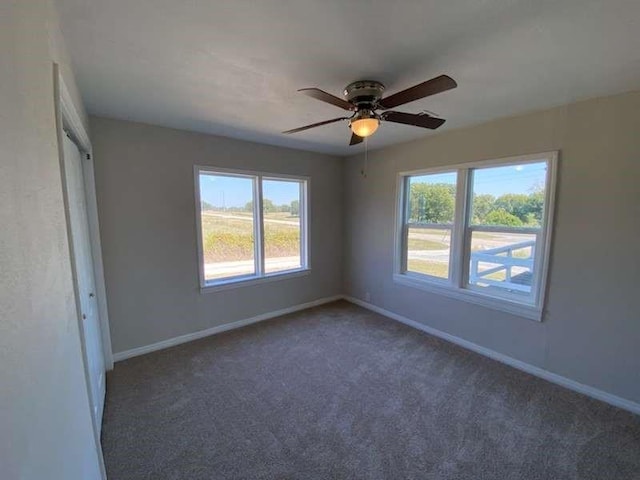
68, 118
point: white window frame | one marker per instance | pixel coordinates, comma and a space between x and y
260, 275
457, 286
405, 225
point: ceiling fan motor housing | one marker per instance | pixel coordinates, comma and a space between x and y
365, 94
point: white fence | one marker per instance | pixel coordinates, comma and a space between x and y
504, 261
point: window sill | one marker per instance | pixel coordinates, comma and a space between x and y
213, 287
521, 310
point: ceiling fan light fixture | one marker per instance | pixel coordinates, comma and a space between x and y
364, 98
364, 125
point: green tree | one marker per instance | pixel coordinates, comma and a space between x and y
295, 208
207, 206
535, 207
432, 202
517, 204
482, 205
528, 208
501, 217
268, 206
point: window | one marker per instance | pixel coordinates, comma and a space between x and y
431, 206
250, 226
479, 232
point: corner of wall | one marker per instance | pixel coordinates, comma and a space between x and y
344, 266
60, 55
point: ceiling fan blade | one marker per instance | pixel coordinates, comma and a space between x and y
307, 127
424, 89
424, 121
327, 97
355, 139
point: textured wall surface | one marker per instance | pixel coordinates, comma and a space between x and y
591, 329
45, 420
145, 188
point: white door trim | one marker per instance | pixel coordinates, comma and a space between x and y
66, 114
69, 116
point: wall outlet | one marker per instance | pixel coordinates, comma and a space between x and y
367, 297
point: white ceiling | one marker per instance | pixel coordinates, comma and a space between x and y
233, 67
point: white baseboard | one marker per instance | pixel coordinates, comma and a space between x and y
592, 392
134, 352
487, 352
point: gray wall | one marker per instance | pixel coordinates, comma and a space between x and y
145, 188
45, 419
591, 329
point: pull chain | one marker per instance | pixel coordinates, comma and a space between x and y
363, 172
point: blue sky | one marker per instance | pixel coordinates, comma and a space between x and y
498, 180
224, 191
227, 191
510, 179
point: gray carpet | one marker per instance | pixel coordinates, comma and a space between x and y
338, 392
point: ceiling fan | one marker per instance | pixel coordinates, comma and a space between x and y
364, 97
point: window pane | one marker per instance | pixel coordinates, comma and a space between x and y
503, 262
511, 196
281, 200
227, 226
428, 251
506, 198
432, 198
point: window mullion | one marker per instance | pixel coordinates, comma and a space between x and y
259, 227
404, 225
505, 229
302, 218
466, 237
459, 230
406, 209
404, 253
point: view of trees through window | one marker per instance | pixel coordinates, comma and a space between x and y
510, 209
435, 203
511, 197
506, 215
432, 200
